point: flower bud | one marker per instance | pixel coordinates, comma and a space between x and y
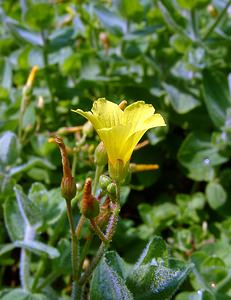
112, 191
68, 188
212, 11
89, 205
104, 181
100, 155
104, 215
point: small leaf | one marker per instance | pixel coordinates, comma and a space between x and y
215, 194
9, 148
13, 219
111, 21
24, 35
190, 4
6, 248
38, 248
216, 96
181, 102
20, 294
29, 211
155, 249
107, 284
33, 162
154, 276
199, 156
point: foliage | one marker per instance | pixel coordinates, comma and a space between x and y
172, 54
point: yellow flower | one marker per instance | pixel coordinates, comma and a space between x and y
120, 130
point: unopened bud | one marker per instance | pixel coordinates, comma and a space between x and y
100, 156
103, 37
68, 188
104, 181
89, 204
112, 191
104, 215
88, 129
212, 11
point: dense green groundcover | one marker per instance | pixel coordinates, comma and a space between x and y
173, 54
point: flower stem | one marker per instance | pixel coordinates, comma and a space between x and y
104, 245
74, 251
216, 22
98, 231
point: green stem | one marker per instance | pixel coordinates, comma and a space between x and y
74, 250
85, 251
216, 22
98, 231
47, 75
98, 172
109, 234
74, 163
194, 22
48, 280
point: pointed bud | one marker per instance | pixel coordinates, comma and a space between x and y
28, 86
89, 204
68, 186
100, 155
112, 191
104, 181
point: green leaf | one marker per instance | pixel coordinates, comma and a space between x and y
199, 295
5, 74
199, 156
216, 195
128, 8
6, 248
111, 21
107, 284
20, 294
50, 203
216, 96
29, 210
14, 221
117, 263
34, 161
9, 148
38, 248
155, 249
24, 35
40, 15
190, 4
180, 101
154, 276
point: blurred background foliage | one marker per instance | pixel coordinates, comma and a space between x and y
173, 54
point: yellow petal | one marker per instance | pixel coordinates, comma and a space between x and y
114, 140
108, 113
136, 114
